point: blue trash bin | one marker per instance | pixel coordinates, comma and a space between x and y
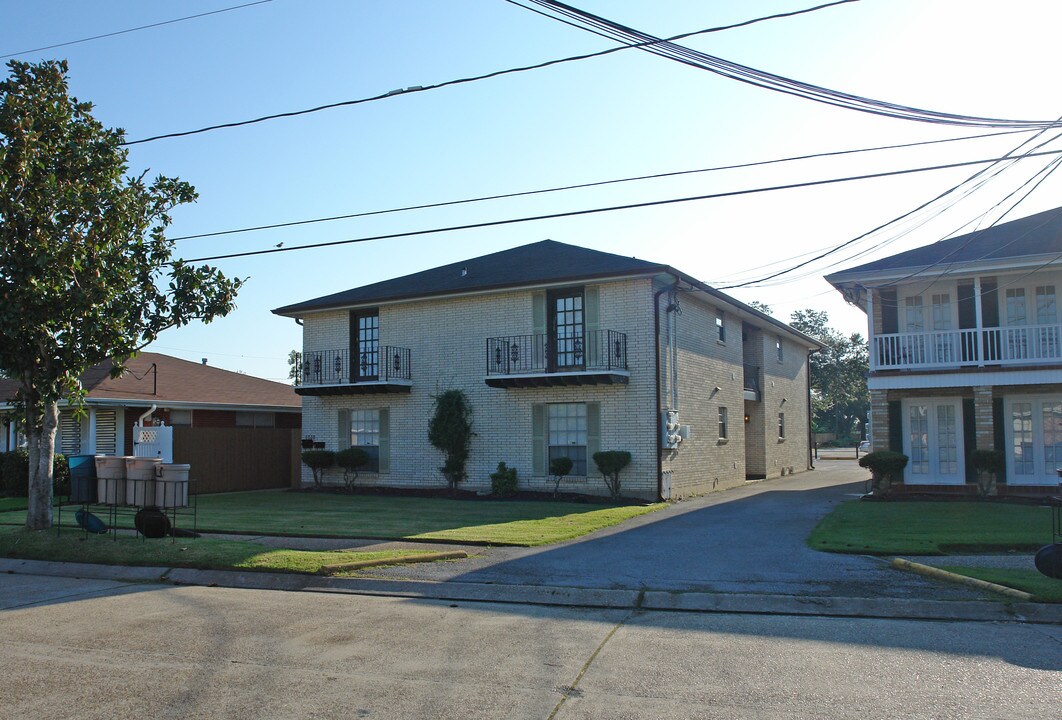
82, 478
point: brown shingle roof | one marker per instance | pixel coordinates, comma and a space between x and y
172, 380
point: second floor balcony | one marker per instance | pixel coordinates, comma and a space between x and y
380, 369
597, 357
1018, 345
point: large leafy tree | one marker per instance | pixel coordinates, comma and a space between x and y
840, 399
85, 267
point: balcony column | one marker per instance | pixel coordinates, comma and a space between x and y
870, 330
977, 323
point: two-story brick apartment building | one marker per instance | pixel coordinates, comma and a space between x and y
966, 352
562, 351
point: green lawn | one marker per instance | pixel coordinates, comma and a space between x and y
515, 522
12, 503
75, 546
1042, 588
931, 528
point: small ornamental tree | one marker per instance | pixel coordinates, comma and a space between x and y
318, 461
884, 466
86, 273
610, 463
989, 464
559, 468
351, 460
450, 430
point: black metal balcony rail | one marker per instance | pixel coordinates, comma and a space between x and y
751, 379
341, 367
594, 351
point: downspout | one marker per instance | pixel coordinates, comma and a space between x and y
659, 399
811, 435
140, 420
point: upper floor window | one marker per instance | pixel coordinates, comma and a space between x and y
942, 311
1016, 306
1046, 313
254, 419
778, 348
781, 426
365, 344
914, 314
720, 326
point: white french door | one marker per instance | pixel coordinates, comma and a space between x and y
932, 440
1034, 439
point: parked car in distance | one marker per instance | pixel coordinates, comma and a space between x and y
864, 447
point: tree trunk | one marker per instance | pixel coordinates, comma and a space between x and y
41, 459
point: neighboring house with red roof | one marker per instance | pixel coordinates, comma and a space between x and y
966, 352
562, 351
201, 402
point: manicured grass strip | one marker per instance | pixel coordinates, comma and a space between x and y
1043, 588
196, 553
13, 503
931, 528
488, 522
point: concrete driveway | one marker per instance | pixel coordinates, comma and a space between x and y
746, 540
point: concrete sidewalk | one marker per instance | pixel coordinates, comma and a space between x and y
605, 598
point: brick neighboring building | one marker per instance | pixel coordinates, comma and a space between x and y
560, 352
966, 352
201, 402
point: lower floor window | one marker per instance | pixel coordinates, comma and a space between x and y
567, 434
365, 434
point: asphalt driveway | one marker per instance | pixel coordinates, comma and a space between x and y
746, 540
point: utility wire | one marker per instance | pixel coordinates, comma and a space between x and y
630, 206
770, 81
598, 183
141, 27
1008, 157
460, 81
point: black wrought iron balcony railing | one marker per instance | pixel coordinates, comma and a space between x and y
593, 351
341, 367
751, 380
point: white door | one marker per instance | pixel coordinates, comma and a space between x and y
1034, 440
932, 440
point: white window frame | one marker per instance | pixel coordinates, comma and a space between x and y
365, 433
723, 424
933, 459
570, 432
1042, 474
720, 326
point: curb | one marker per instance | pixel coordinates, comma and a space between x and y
403, 560
553, 596
934, 572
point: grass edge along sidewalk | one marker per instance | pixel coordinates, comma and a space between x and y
525, 523
931, 528
199, 553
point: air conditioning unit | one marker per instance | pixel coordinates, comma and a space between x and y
669, 427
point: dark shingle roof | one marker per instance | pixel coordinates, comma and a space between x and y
547, 261
1039, 234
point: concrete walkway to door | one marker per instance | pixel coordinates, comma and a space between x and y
745, 540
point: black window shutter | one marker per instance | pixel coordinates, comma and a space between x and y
890, 315
969, 437
895, 426
999, 435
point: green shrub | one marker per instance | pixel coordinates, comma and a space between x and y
884, 466
351, 460
559, 469
503, 481
450, 430
989, 464
61, 474
16, 473
610, 463
318, 461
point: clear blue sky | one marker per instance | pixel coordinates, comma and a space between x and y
625, 114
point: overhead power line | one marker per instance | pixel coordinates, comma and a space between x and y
599, 183
460, 81
629, 206
1009, 157
129, 30
664, 47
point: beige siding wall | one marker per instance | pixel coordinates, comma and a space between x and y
785, 390
448, 343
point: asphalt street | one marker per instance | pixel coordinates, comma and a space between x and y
102, 649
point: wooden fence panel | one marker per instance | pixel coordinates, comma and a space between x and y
230, 459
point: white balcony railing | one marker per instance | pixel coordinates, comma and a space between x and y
1022, 345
